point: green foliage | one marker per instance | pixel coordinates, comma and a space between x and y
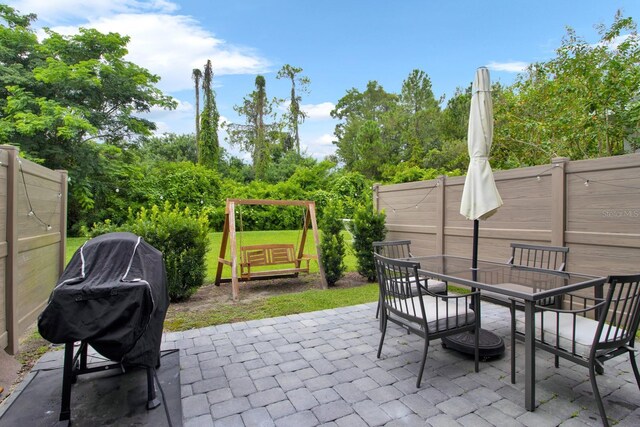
367, 227
352, 188
182, 239
332, 244
168, 148
285, 164
183, 183
582, 103
107, 186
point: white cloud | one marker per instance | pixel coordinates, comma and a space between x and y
318, 111
319, 146
325, 140
170, 46
180, 120
510, 67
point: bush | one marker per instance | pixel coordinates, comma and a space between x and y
180, 236
367, 227
332, 244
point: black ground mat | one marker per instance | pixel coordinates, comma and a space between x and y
97, 399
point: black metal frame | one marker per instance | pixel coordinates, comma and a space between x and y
618, 317
537, 256
395, 278
75, 365
394, 249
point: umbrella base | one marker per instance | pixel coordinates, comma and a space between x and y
491, 345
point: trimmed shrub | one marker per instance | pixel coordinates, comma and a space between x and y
367, 227
180, 236
332, 244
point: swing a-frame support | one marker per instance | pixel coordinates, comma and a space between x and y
266, 255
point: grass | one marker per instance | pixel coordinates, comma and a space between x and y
279, 305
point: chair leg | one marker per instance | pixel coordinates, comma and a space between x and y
634, 365
383, 327
424, 360
512, 309
596, 393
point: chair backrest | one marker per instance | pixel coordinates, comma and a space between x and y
396, 278
395, 249
536, 256
620, 315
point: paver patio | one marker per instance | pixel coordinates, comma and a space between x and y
320, 368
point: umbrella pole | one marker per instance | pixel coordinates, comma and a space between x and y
474, 258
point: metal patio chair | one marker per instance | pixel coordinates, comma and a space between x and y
530, 256
401, 249
592, 331
426, 314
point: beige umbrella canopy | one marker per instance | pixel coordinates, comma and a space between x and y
480, 197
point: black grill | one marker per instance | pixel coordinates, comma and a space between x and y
113, 297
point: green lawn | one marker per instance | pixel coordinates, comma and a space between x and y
245, 238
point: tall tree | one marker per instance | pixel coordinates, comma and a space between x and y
208, 144
256, 135
368, 134
421, 110
295, 115
196, 75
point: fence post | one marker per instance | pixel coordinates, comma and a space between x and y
11, 273
558, 200
440, 210
64, 175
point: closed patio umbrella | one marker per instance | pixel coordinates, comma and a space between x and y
480, 197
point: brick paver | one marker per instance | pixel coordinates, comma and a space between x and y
321, 369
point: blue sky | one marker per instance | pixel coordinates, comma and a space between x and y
340, 44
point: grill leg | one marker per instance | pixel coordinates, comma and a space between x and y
152, 399
67, 379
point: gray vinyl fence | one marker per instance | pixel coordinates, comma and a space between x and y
591, 206
33, 222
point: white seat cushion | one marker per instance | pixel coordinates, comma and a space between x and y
436, 312
585, 331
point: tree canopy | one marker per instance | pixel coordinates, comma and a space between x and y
61, 94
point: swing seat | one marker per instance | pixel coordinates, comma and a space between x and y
268, 255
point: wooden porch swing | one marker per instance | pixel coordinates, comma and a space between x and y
266, 255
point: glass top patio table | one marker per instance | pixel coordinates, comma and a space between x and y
528, 284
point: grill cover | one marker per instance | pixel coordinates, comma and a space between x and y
113, 295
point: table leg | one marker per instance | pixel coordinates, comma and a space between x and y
529, 356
